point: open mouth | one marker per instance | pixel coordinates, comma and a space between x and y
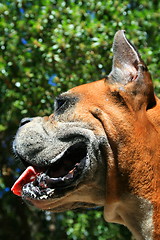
61, 175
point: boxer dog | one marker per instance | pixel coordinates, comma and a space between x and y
99, 147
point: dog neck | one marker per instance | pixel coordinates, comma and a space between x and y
135, 213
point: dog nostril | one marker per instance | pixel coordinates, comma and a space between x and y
24, 121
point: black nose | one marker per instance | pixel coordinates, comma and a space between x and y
24, 121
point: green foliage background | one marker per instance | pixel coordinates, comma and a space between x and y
49, 46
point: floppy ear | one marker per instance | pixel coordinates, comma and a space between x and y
129, 71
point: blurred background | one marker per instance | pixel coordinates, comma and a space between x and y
47, 47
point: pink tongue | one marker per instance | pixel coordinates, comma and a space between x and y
27, 176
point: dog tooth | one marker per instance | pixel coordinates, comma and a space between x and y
42, 184
32, 178
70, 172
51, 192
43, 197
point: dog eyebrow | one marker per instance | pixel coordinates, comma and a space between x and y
64, 96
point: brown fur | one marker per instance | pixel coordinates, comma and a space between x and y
123, 110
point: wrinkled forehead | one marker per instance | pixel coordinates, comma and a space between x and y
90, 89
91, 93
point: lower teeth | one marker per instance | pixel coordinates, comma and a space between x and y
50, 192
43, 181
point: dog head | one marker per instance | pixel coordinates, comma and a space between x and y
86, 151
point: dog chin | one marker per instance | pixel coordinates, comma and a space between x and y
61, 205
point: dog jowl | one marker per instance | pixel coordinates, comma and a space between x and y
100, 147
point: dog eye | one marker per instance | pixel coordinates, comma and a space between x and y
62, 103
59, 104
